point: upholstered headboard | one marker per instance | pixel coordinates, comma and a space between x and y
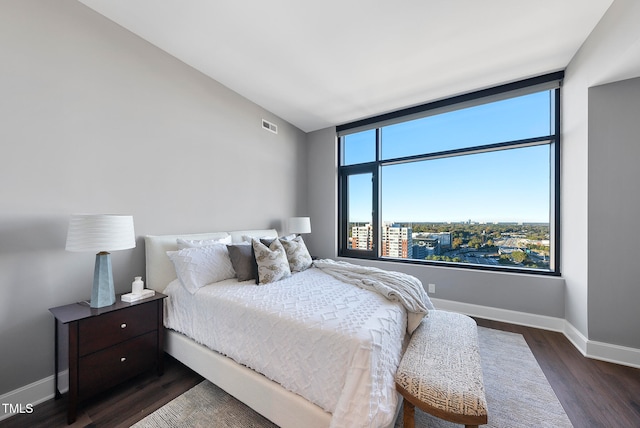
160, 270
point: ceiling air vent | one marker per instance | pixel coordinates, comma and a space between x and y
269, 126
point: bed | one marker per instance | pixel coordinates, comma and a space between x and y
280, 378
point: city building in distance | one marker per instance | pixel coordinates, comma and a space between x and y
494, 244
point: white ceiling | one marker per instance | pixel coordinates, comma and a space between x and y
324, 63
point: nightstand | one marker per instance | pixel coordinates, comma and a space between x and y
106, 346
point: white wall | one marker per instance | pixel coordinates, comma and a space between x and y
96, 120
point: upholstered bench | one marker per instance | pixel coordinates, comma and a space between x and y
440, 371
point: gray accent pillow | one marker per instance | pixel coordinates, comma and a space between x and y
243, 261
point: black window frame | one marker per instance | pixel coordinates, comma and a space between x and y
551, 81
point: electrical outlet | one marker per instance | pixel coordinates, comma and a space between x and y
432, 288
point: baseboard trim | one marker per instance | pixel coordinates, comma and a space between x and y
613, 353
504, 315
589, 348
33, 393
576, 337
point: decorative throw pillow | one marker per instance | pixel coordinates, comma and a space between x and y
272, 261
199, 266
243, 261
190, 243
297, 254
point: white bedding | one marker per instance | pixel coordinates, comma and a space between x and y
333, 343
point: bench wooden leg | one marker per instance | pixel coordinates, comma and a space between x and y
408, 415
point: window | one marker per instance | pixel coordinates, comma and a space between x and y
470, 181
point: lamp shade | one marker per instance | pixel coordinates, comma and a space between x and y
100, 232
299, 225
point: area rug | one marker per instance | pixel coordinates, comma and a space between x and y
518, 395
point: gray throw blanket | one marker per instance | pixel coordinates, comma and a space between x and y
395, 286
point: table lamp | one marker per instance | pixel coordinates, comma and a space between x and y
299, 225
101, 233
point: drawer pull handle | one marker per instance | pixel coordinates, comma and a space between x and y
123, 359
123, 325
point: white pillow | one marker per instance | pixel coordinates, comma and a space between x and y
199, 266
247, 238
190, 243
272, 261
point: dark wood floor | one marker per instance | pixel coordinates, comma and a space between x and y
122, 406
593, 393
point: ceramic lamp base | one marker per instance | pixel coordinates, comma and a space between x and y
103, 293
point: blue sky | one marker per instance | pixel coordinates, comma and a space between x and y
504, 186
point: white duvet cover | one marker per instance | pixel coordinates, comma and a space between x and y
335, 344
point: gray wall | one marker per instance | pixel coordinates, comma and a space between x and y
610, 54
96, 120
614, 213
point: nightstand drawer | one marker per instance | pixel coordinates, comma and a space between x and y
108, 345
102, 331
106, 368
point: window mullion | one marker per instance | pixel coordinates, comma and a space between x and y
375, 215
